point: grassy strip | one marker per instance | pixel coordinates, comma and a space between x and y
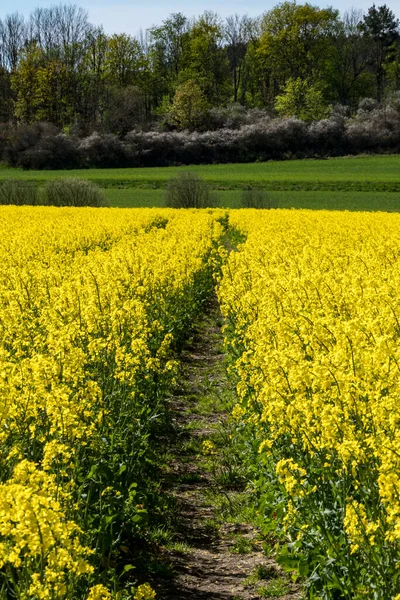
348, 172
355, 201
305, 186
227, 185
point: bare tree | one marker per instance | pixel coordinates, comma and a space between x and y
352, 19
73, 29
13, 33
61, 30
144, 41
350, 54
42, 29
238, 31
169, 38
92, 86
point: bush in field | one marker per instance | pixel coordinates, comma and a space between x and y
73, 192
13, 191
102, 151
188, 190
374, 131
5, 132
51, 152
40, 146
234, 116
257, 198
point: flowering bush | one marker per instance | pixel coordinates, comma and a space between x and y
233, 136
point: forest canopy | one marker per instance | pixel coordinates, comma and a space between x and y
298, 81
295, 60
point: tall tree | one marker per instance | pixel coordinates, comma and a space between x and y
13, 34
126, 79
392, 68
189, 107
167, 44
91, 89
123, 60
61, 31
382, 28
295, 43
301, 99
205, 60
147, 81
42, 88
125, 109
6, 96
349, 76
238, 32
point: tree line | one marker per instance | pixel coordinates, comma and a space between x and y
296, 60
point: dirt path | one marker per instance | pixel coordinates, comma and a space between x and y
217, 553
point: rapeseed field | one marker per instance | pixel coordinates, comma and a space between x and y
312, 310
92, 306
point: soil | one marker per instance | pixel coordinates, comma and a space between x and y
209, 565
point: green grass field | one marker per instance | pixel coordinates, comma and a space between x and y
352, 183
369, 201
350, 170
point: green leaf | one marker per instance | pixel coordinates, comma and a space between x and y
128, 568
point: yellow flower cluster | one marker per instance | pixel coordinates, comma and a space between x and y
91, 303
312, 306
36, 531
357, 525
292, 476
99, 592
144, 592
208, 448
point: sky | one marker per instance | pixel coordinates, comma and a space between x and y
130, 16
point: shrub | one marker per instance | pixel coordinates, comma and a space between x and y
5, 132
188, 190
327, 137
257, 198
73, 192
14, 191
51, 152
234, 116
40, 146
236, 134
375, 131
103, 151
394, 101
367, 105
